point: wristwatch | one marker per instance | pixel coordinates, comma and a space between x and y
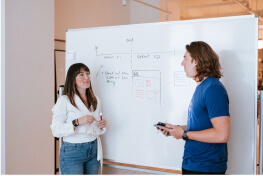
75, 122
185, 137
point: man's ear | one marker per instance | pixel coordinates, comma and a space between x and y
194, 62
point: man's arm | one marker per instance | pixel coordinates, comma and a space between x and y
218, 134
165, 131
183, 127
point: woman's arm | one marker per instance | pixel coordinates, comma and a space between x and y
59, 126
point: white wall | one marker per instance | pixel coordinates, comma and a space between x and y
97, 13
29, 86
141, 13
2, 87
71, 14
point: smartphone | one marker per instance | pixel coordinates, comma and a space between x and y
159, 124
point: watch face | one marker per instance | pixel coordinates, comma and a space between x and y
74, 123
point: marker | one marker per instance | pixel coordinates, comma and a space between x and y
101, 116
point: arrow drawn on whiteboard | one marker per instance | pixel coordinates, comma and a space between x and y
99, 70
96, 48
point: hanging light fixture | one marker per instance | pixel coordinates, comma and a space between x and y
167, 14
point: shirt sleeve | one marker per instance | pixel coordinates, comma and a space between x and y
60, 127
217, 102
103, 131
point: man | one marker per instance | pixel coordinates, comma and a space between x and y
208, 126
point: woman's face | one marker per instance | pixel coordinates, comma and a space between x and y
83, 80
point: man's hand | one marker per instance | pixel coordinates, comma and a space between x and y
172, 130
164, 130
175, 131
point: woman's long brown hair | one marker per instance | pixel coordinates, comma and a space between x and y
70, 88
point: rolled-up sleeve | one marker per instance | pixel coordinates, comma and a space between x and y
103, 131
60, 127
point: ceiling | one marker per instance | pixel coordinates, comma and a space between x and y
195, 9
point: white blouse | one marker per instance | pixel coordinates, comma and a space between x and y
63, 115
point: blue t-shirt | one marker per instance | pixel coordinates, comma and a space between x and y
210, 100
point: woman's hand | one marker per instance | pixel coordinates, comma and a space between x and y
102, 123
87, 119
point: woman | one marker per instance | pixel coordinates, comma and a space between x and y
76, 119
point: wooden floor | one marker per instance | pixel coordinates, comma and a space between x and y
117, 171
121, 171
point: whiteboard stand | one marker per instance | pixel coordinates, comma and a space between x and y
260, 132
61, 88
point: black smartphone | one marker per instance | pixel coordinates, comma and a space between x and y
159, 124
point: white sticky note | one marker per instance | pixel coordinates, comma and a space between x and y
71, 55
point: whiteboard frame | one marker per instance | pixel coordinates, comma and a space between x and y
256, 99
207, 20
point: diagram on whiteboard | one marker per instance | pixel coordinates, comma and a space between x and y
180, 79
134, 56
146, 86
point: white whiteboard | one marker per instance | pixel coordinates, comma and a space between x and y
136, 71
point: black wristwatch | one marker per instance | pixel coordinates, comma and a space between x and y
185, 137
75, 122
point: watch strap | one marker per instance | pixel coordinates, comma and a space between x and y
185, 137
75, 122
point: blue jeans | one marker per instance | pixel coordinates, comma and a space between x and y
78, 158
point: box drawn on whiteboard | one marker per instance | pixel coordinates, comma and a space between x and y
180, 79
147, 86
71, 55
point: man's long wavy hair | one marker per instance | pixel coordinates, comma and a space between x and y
70, 88
207, 60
